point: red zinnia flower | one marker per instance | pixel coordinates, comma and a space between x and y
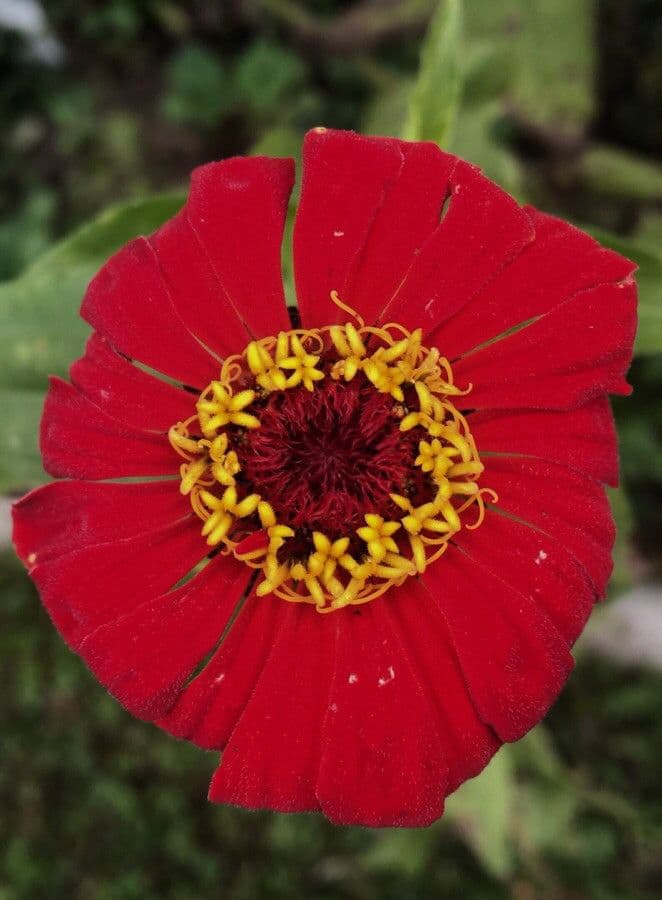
450, 517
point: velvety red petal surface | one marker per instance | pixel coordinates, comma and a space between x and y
273, 754
584, 440
481, 231
344, 183
403, 232
560, 262
65, 516
237, 209
79, 440
89, 587
125, 392
467, 743
383, 760
535, 564
145, 657
128, 302
513, 659
208, 710
578, 351
559, 502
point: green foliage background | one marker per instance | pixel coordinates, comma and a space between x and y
556, 100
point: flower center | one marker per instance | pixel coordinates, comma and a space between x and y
331, 459
324, 458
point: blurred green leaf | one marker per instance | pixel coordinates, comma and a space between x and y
402, 850
41, 332
436, 94
552, 55
621, 577
481, 810
389, 110
488, 72
26, 235
476, 139
279, 141
536, 753
266, 78
649, 281
197, 91
622, 174
20, 460
649, 230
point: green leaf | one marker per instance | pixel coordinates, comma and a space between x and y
482, 809
198, 90
20, 460
388, 112
281, 140
476, 139
551, 51
267, 80
41, 332
649, 281
488, 72
436, 94
622, 174
621, 577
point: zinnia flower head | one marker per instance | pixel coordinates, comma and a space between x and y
350, 548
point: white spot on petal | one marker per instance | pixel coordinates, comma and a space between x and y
353, 678
541, 557
338, 233
385, 679
219, 678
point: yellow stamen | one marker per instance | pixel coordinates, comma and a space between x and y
336, 570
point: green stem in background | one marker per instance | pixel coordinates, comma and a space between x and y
436, 95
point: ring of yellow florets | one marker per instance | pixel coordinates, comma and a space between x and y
393, 360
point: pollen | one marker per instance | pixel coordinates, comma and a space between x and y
332, 460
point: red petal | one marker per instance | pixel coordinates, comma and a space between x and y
346, 179
129, 303
78, 440
561, 262
145, 657
513, 659
257, 540
467, 743
209, 708
536, 565
382, 759
237, 209
367, 207
272, 757
584, 438
482, 231
567, 357
95, 585
197, 294
64, 516
409, 215
561, 503
126, 392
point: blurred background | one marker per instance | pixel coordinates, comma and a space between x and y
105, 107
